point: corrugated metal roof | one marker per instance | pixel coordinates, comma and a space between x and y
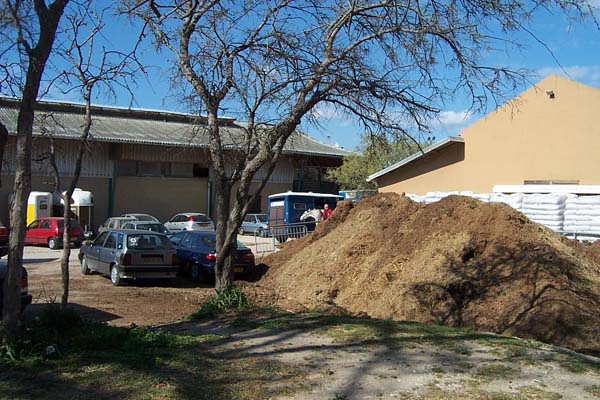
119, 125
436, 146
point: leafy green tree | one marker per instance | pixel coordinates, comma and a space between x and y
374, 154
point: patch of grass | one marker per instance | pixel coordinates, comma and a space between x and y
464, 365
93, 360
525, 393
438, 370
513, 351
276, 323
594, 390
579, 365
497, 371
230, 299
461, 349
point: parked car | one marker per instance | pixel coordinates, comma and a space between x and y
49, 231
141, 217
255, 224
190, 222
196, 252
3, 240
114, 223
25, 296
147, 226
128, 254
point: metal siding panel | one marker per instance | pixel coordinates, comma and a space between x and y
144, 152
95, 164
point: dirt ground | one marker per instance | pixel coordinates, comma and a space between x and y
457, 262
150, 303
342, 360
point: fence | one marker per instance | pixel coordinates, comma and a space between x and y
279, 234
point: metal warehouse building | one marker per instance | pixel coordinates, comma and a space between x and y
549, 134
149, 161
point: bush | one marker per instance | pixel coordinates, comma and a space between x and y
229, 299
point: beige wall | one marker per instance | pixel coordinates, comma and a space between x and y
532, 137
161, 197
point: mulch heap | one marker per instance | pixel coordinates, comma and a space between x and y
458, 262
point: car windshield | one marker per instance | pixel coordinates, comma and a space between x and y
148, 241
160, 228
61, 224
210, 241
262, 218
200, 218
142, 217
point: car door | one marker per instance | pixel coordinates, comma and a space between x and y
107, 253
185, 248
175, 224
45, 231
93, 252
32, 232
248, 224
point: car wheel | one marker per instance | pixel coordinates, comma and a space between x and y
53, 243
85, 270
261, 232
241, 231
114, 276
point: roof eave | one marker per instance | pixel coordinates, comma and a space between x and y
436, 146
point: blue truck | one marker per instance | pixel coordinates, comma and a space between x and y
285, 209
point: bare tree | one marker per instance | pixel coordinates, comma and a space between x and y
390, 64
90, 68
31, 32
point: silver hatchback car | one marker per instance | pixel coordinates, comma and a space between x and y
130, 254
190, 222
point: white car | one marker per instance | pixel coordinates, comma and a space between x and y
190, 222
141, 217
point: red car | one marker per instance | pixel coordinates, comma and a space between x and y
50, 231
3, 240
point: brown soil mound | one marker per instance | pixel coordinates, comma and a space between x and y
459, 262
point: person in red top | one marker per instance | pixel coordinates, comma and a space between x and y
326, 213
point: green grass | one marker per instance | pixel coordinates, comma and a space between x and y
579, 365
230, 299
594, 390
524, 393
497, 371
94, 360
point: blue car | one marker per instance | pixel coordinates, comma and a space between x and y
196, 251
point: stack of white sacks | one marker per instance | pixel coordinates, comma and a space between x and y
514, 200
545, 209
582, 214
560, 212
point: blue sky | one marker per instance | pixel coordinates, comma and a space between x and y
574, 46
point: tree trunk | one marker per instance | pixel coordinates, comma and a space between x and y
3, 140
38, 56
64, 261
18, 216
223, 266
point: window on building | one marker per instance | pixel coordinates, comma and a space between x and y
127, 168
149, 168
551, 182
200, 171
157, 168
183, 170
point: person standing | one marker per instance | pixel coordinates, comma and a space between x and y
326, 213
